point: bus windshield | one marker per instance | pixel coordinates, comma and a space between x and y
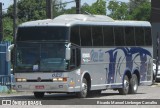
40, 57
42, 33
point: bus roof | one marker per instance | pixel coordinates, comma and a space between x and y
81, 19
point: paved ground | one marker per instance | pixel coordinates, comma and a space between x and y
144, 92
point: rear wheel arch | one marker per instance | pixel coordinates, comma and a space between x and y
136, 72
128, 73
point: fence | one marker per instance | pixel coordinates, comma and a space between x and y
5, 80
5, 67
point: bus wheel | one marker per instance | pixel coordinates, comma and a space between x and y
133, 86
125, 89
153, 79
38, 95
84, 89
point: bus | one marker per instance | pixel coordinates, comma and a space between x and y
82, 54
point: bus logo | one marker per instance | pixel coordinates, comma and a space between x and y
39, 79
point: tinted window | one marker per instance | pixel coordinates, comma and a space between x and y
139, 34
75, 58
85, 32
108, 36
97, 36
129, 36
75, 38
148, 38
42, 33
78, 56
119, 36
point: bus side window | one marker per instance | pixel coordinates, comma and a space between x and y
85, 32
139, 35
97, 36
129, 36
148, 38
75, 38
119, 36
108, 36
78, 57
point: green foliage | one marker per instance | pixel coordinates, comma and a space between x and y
119, 10
72, 10
142, 12
58, 8
99, 7
8, 29
29, 10
134, 10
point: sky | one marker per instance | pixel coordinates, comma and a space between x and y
9, 2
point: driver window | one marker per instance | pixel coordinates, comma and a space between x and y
75, 58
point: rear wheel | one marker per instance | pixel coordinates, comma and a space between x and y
153, 79
125, 89
39, 95
84, 89
133, 86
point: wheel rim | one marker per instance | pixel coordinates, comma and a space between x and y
135, 85
84, 88
126, 85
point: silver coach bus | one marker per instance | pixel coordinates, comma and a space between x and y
83, 54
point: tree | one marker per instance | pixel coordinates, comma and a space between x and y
134, 10
141, 11
58, 8
118, 10
34, 9
135, 3
8, 29
72, 10
99, 7
28, 10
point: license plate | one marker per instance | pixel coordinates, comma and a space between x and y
39, 87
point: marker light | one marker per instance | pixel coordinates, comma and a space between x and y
59, 79
21, 80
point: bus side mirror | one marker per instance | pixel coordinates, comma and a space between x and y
8, 53
68, 52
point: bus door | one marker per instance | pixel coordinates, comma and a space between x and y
75, 63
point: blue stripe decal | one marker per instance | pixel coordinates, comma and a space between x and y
130, 60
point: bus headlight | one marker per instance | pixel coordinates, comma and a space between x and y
59, 79
21, 80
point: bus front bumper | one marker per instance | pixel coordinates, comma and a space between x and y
45, 87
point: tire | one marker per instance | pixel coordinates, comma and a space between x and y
153, 79
84, 89
38, 95
133, 86
125, 89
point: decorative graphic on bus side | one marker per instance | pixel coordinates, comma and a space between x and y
130, 54
97, 56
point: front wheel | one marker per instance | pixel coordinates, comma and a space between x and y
125, 89
84, 89
133, 87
